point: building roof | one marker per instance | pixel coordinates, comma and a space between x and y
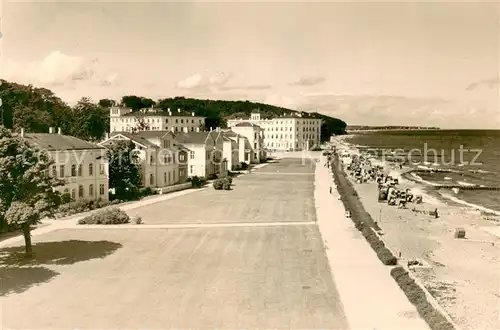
53, 141
136, 138
153, 134
192, 137
161, 113
247, 124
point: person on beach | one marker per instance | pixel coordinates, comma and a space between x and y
436, 213
330, 189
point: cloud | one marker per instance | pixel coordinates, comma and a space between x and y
248, 88
309, 81
490, 83
59, 69
204, 81
395, 110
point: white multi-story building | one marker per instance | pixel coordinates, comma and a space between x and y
206, 157
125, 120
162, 162
81, 164
292, 132
255, 135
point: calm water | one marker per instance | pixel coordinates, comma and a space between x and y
472, 155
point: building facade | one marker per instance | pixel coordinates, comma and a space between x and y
82, 165
125, 120
162, 162
256, 138
205, 153
285, 133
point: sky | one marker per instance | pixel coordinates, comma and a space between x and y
430, 64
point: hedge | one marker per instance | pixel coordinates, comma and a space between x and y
107, 216
418, 297
362, 219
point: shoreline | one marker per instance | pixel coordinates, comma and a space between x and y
459, 273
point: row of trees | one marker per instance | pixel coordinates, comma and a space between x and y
36, 109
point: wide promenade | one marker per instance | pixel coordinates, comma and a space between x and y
248, 258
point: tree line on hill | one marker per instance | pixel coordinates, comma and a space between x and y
36, 109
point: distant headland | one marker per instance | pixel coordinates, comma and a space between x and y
357, 128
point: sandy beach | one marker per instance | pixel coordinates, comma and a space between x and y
462, 274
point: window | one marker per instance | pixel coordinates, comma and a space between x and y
80, 191
166, 120
54, 170
91, 190
151, 159
191, 169
73, 170
177, 121
165, 177
182, 121
182, 157
91, 169
151, 179
80, 170
101, 189
168, 177
101, 170
191, 154
61, 171
73, 193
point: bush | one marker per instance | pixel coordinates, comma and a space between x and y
107, 216
148, 191
196, 181
223, 183
225, 177
244, 166
417, 297
383, 253
83, 205
218, 184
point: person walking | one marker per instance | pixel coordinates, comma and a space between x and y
436, 213
330, 190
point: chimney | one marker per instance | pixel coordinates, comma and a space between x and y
172, 129
210, 129
197, 129
22, 132
51, 130
192, 114
217, 129
179, 110
106, 136
185, 129
168, 109
59, 131
169, 113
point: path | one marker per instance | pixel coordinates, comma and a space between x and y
370, 296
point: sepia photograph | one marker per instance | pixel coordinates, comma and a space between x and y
249, 165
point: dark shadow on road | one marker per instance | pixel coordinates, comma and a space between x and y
58, 253
20, 279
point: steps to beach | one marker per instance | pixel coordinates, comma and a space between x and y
370, 296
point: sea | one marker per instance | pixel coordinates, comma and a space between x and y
468, 158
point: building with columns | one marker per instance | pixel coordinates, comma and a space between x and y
292, 132
125, 120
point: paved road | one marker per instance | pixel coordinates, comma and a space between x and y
280, 191
237, 277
